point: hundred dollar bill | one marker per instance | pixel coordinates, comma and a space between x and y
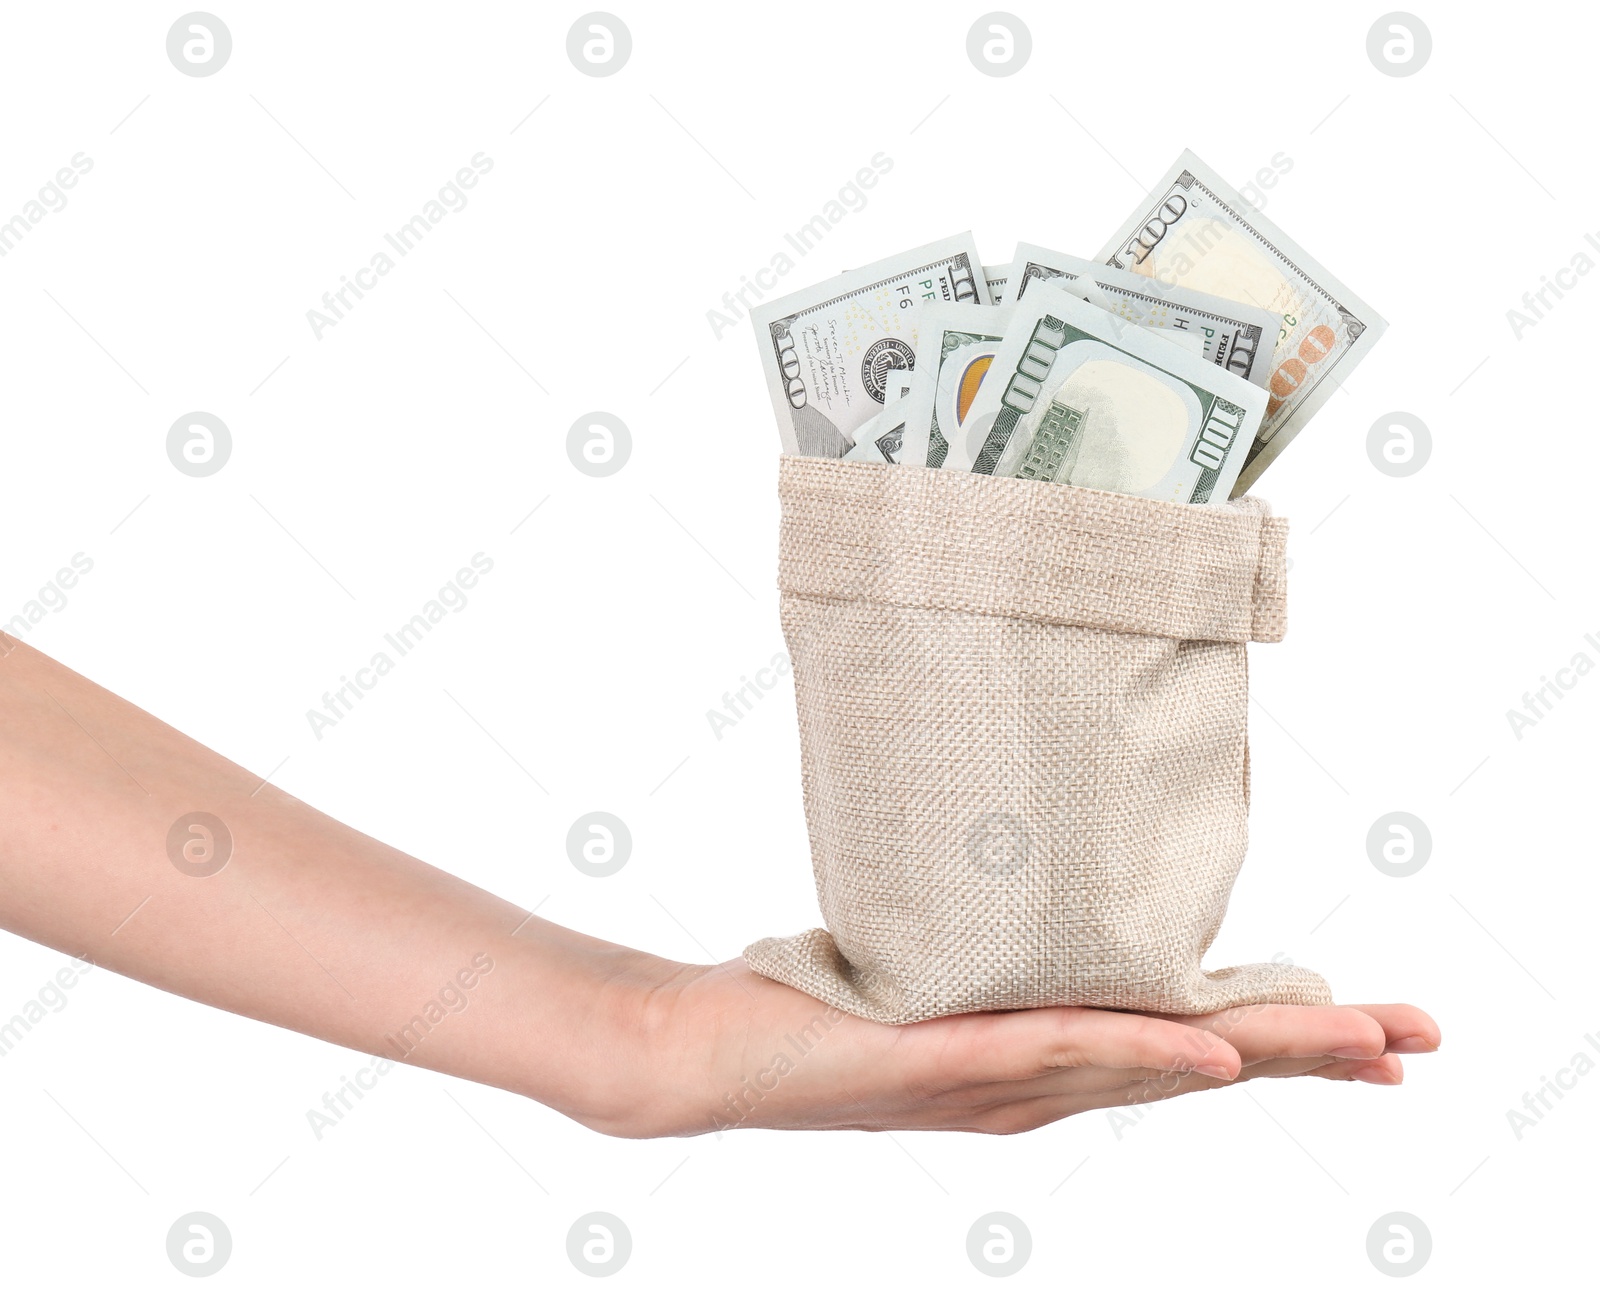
997, 275
955, 349
1076, 398
881, 438
1196, 231
1237, 337
826, 351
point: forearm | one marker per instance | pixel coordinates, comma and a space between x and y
309, 924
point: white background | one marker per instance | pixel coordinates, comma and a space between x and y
369, 464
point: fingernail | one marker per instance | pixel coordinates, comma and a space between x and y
1351, 1052
1216, 1072
1375, 1075
1413, 1044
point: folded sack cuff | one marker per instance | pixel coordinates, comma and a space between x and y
935, 539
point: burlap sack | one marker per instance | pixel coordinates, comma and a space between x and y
1022, 730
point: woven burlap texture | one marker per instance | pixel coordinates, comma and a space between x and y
1022, 712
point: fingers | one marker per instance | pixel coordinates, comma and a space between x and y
1116, 1086
1385, 1070
1380, 1070
1408, 1029
982, 1048
1005, 1072
1268, 1032
1015, 1105
1019, 1115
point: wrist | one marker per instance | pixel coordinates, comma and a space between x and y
588, 1028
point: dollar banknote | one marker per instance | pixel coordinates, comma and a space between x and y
881, 438
826, 352
956, 347
997, 275
1073, 396
1194, 230
1237, 337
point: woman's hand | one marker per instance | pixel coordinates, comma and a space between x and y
729, 1049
